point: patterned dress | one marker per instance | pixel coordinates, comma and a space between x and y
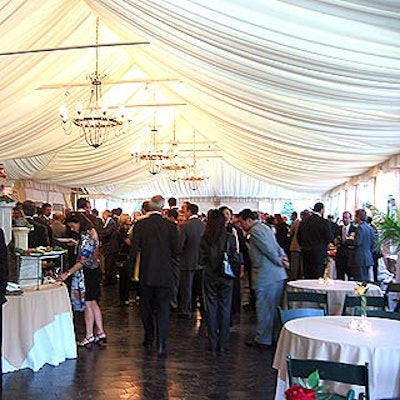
85, 285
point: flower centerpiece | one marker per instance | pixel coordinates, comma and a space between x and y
4, 198
361, 290
363, 324
311, 389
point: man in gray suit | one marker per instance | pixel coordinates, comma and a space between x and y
268, 262
191, 232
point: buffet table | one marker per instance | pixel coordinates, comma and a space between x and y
330, 338
38, 328
30, 266
336, 290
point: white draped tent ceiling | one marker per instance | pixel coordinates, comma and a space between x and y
295, 96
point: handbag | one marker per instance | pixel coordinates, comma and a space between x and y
227, 270
78, 291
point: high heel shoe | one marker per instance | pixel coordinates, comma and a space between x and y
86, 342
100, 338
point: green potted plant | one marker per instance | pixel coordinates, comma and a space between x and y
387, 225
388, 235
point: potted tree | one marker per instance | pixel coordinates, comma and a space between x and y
388, 235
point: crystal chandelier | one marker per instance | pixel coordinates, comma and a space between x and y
153, 153
194, 177
95, 119
174, 164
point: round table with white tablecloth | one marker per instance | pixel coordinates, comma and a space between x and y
330, 338
336, 290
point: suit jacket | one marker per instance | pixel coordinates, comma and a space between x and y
97, 223
294, 243
3, 268
38, 236
46, 222
342, 253
314, 233
109, 238
157, 241
191, 233
211, 256
265, 254
362, 247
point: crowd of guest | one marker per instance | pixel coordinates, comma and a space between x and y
167, 258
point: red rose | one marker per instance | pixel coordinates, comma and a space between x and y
297, 392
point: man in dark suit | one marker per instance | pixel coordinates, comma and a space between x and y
39, 235
361, 248
343, 231
314, 236
3, 285
45, 219
109, 248
83, 205
156, 239
191, 232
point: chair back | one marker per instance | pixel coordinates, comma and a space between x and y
330, 371
393, 287
294, 313
380, 314
307, 297
353, 302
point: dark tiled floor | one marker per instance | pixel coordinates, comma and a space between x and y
122, 370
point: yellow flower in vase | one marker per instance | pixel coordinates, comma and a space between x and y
361, 290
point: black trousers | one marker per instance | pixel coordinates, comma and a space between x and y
218, 295
342, 258
124, 281
110, 275
314, 261
154, 310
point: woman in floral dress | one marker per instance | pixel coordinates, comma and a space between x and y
88, 262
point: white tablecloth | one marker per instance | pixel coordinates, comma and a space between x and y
336, 291
329, 338
38, 329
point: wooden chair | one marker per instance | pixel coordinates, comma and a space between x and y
288, 315
380, 314
354, 302
331, 371
308, 297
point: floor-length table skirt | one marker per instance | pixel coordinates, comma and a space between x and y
38, 329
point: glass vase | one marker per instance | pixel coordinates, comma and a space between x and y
363, 310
